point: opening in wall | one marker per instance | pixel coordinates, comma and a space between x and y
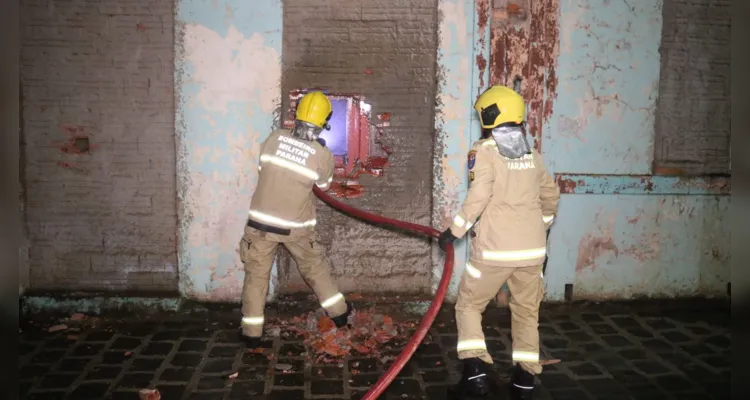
355, 141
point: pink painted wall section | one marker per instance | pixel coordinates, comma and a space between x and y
228, 70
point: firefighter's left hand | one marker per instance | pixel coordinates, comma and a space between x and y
445, 238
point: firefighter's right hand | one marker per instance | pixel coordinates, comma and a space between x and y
445, 238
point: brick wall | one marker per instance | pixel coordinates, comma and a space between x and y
104, 219
384, 50
693, 118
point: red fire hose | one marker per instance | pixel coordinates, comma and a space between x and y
437, 301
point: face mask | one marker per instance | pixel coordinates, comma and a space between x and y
511, 141
306, 131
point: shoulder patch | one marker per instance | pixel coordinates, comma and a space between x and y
472, 158
471, 176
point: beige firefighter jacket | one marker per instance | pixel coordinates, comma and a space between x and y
517, 201
283, 202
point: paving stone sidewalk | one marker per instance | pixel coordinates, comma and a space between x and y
652, 350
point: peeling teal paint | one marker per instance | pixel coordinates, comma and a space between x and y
621, 232
456, 124
227, 77
608, 80
621, 247
644, 184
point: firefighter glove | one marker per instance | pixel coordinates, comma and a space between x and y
321, 141
445, 238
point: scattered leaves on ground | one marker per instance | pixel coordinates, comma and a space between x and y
149, 394
369, 334
57, 328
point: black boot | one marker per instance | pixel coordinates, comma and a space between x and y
251, 342
343, 319
521, 384
476, 380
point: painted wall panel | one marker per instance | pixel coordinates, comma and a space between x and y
608, 73
618, 246
228, 69
462, 48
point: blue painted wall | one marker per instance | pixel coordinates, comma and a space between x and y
666, 238
461, 41
620, 236
662, 242
228, 70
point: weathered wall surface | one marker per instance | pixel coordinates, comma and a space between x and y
620, 235
463, 47
101, 218
228, 68
693, 119
16, 267
384, 50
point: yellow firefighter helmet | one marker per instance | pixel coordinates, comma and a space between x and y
500, 105
314, 108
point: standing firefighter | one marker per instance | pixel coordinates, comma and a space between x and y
517, 200
282, 211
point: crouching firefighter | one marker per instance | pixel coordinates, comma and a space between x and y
517, 200
282, 211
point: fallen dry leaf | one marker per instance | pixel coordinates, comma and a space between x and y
283, 367
73, 337
149, 394
128, 353
56, 328
77, 317
548, 362
234, 375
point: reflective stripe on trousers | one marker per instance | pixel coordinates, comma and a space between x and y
473, 271
525, 356
270, 219
471, 344
327, 303
252, 320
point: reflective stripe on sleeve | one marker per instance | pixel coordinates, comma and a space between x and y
472, 344
325, 185
278, 161
526, 356
514, 255
471, 270
270, 219
548, 218
461, 223
252, 320
332, 300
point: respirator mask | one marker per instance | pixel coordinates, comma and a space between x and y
511, 141
307, 131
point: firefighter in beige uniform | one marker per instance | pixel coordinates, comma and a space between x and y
517, 200
282, 211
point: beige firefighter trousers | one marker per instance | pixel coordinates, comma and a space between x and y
257, 251
479, 284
